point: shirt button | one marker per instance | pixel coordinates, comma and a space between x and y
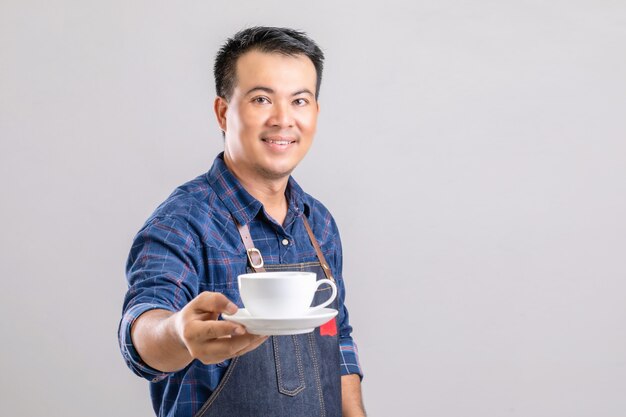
285, 242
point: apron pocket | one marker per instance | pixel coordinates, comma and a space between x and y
289, 369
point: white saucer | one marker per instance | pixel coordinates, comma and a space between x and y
283, 326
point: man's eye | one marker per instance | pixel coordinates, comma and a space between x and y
300, 102
261, 100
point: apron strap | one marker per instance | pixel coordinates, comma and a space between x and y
320, 255
256, 259
254, 255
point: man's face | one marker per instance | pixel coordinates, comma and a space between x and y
270, 120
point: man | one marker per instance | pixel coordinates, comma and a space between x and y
183, 266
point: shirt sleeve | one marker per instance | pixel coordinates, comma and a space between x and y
349, 354
162, 273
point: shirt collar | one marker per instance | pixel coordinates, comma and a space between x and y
295, 198
241, 204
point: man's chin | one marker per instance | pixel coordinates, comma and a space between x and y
275, 173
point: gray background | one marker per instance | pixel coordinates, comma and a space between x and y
472, 152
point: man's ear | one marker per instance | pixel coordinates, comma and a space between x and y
220, 106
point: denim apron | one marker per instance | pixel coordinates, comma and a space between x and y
287, 376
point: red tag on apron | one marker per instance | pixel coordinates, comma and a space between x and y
329, 328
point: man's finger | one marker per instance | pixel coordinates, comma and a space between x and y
205, 331
218, 350
253, 345
213, 302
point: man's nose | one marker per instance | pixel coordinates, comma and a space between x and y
281, 116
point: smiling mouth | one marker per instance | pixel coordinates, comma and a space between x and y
282, 142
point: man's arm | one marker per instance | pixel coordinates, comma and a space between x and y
352, 402
169, 341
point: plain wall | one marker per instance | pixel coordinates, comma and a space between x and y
472, 152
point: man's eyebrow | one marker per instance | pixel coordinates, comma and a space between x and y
260, 87
271, 91
303, 91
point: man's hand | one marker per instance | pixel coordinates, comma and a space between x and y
208, 340
170, 341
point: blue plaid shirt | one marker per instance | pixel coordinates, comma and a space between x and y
190, 244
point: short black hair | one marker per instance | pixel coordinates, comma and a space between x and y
265, 39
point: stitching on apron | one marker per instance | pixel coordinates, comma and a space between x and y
302, 386
317, 375
298, 266
219, 388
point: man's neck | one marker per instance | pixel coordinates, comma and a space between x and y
270, 192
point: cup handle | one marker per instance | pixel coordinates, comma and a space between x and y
332, 296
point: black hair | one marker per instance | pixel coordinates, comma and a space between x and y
265, 39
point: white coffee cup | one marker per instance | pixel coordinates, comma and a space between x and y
281, 294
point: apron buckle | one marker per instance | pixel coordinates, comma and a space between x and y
260, 262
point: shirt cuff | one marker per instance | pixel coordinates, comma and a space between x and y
349, 358
130, 354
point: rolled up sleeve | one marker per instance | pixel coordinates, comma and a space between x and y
130, 354
349, 354
162, 273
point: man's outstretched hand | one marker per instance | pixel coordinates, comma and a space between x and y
170, 341
206, 338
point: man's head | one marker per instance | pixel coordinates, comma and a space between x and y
283, 41
267, 82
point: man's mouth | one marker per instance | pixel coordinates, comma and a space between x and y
280, 142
